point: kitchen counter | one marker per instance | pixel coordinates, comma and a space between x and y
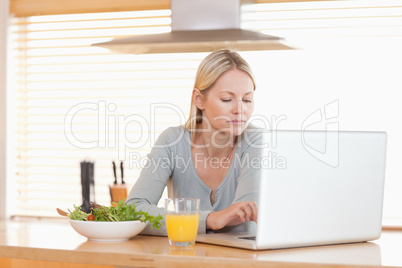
54, 242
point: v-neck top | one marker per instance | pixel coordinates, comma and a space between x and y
171, 157
192, 166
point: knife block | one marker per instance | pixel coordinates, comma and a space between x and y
118, 192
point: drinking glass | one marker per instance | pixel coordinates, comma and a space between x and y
182, 216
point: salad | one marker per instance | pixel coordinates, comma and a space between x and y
119, 211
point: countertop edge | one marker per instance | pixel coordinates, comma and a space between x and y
145, 260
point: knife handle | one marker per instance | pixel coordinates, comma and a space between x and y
114, 172
122, 172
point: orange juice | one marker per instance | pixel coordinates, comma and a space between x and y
182, 227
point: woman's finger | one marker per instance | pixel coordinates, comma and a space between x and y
240, 213
254, 208
248, 211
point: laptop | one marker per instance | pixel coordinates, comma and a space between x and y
316, 188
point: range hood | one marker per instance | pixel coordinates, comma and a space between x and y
202, 26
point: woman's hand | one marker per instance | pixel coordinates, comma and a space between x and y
235, 214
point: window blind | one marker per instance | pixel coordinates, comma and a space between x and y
73, 101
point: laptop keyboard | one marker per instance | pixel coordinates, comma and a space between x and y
247, 237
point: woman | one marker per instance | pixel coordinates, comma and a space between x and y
210, 157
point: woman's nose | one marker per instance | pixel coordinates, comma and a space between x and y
238, 107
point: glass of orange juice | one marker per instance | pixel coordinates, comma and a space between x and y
182, 216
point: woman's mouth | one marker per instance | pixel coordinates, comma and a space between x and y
237, 122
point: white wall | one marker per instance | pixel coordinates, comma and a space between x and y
363, 76
4, 11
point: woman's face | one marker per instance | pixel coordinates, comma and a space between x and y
229, 103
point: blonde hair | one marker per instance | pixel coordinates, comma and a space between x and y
210, 69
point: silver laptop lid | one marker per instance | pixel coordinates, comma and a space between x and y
320, 187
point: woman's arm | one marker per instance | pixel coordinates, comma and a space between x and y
236, 214
153, 178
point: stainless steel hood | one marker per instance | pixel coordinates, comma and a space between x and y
202, 26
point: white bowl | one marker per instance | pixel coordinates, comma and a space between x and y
108, 231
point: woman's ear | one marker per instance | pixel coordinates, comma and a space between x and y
198, 99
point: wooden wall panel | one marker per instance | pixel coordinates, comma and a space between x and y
21, 8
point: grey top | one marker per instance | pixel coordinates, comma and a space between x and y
171, 157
